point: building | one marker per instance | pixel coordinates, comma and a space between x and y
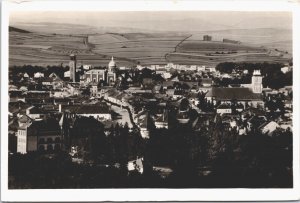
161, 120
206, 82
142, 120
107, 76
269, 127
38, 75
241, 95
41, 135
249, 94
231, 41
257, 82
111, 75
207, 38
136, 165
95, 76
224, 109
72, 65
98, 111
285, 69
34, 112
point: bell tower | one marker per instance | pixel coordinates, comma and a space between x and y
72, 65
111, 75
257, 82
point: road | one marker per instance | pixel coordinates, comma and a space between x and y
124, 115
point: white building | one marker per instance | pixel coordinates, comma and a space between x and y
38, 75
136, 165
269, 128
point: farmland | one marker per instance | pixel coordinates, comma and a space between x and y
142, 48
129, 49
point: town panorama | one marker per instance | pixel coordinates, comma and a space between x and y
183, 103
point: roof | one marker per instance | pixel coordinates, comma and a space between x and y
87, 122
163, 117
112, 62
101, 108
224, 106
48, 125
25, 119
35, 110
206, 80
95, 71
238, 93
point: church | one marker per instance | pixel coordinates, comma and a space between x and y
247, 94
106, 76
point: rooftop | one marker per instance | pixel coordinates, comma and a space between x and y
101, 108
237, 93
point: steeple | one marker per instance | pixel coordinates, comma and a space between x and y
111, 64
257, 82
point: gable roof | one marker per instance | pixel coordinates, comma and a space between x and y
238, 93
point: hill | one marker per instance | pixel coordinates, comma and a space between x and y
131, 48
13, 29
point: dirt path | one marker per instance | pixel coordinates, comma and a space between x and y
175, 48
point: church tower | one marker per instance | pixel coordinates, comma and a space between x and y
257, 82
72, 65
111, 75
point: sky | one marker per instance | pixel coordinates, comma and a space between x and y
161, 20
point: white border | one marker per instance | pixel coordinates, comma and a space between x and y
147, 194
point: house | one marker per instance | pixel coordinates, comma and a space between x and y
269, 127
99, 111
38, 75
161, 71
288, 104
16, 95
54, 75
255, 122
87, 67
285, 69
194, 98
34, 112
136, 165
161, 120
200, 68
206, 82
26, 75
166, 75
224, 109
42, 135
183, 116
288, 125
147, 83
47, 81
142, 120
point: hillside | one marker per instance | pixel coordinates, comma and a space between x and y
129, 49
13, 29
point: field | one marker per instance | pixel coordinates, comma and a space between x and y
53, 49
129, 49
142, 48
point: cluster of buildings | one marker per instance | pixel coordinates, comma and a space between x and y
44, 116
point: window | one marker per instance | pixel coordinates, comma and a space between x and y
57, 147
50, 147
41, 148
